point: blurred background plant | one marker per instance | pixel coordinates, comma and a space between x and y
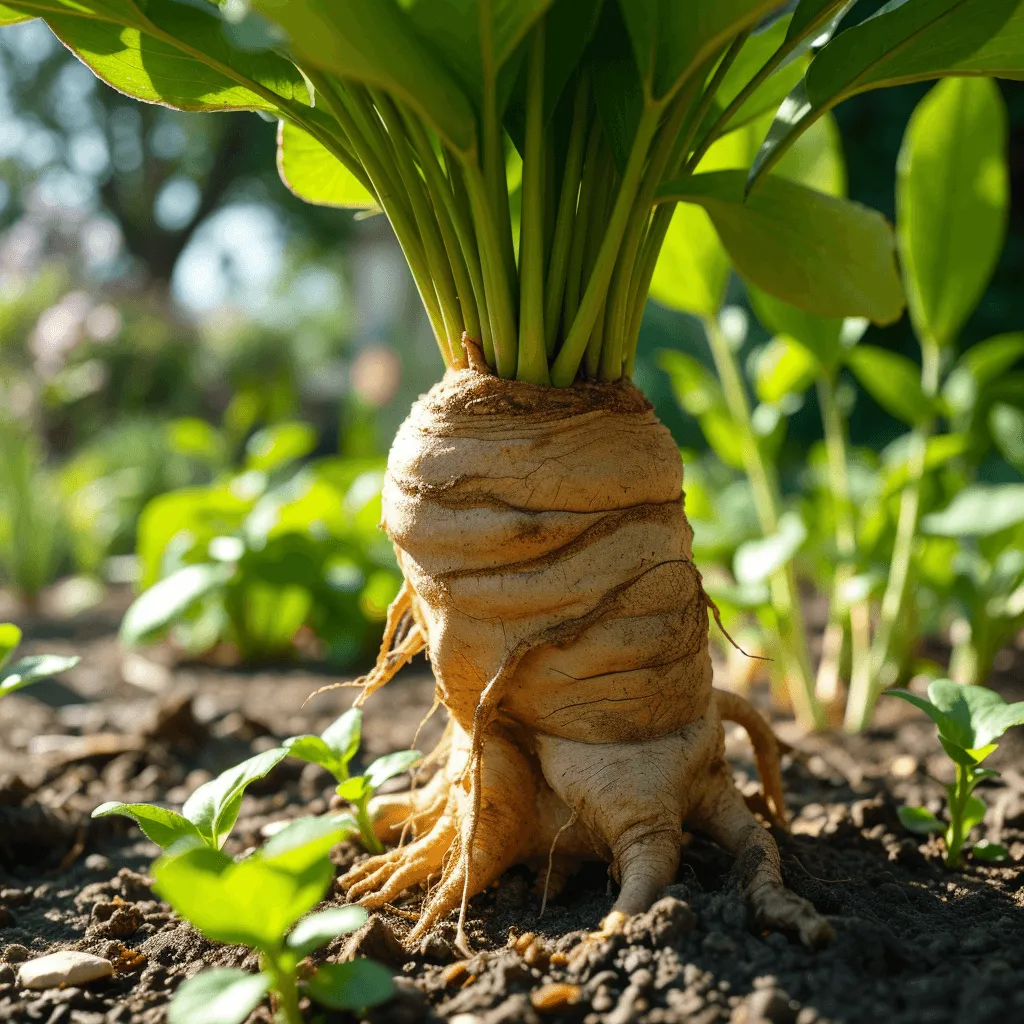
200, 375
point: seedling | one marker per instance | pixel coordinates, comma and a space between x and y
258, 902
970, 719
208, 815
333, 749
28, 670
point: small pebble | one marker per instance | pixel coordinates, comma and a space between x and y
97, 862
549, 998
68, 967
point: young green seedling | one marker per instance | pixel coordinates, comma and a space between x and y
969, 719
258, 902
208, 815
25, 670
333, 749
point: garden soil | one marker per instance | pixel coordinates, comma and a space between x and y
914, 941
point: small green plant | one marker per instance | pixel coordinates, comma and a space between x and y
259, 902
14, 676
970, 719
208, 815
333, 749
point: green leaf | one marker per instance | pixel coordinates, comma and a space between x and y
672, 40
164, 603
756, 560
1006, 423
342, 735
693, 268
306, 840
919, 819
213, 808
819, 335
178, 55
317, 930
979, 510
355, 789
829, 256
12, 17
10, 637
974, 813
952, 199
815, 17
277, 446
938, 451
922, 703
784, 367
696, 388
313, 173
375, 43
160, 825
222, 995
816, 159
980, 365
390, 765
315, 751
984, 850
356, 985
979, 716
903, 42
253, 902
892, 380
29, 670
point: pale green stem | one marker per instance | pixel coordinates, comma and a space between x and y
285, 990
470, 292
590, 185
568, 360
956, 836
885, 664
499, 297
558, 265
768, 502
430, 233
533, 363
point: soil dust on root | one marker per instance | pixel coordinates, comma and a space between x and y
914, 942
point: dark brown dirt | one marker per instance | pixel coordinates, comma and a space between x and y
915, 942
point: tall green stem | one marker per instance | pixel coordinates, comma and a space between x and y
533, 363
285, 990
768, 502
568, 360
884, 659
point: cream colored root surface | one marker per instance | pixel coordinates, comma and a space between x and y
549, 577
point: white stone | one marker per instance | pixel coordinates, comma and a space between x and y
68, 967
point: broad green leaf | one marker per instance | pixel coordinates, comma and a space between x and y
221, 995
10, 637
314, 750
978, 511
938, 451
672, 40
355, 789
984, 850
342, 735
315, 174
160, 825
978, 366
159, 607
952, 198
919, 819
784, 367
390, 765
968, 757
756, 560
213, 808
816, 17
816, 158
355, 985
251, 902
178, 55
29, 670
305, 841
892, 380
693, 268
375, 43
12, 17
829, 256
819, 335
1006, 423
922, 703
318, 929
979, 715
192, 436
274, 447
903, 42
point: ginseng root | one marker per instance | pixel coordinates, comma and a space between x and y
549, 576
